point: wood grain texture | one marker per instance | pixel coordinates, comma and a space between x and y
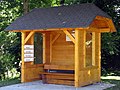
69, 35
98, 52
58, 67
62, 82
29, 70
62, 51
80, 37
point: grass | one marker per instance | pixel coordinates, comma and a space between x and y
112, 80
9, 82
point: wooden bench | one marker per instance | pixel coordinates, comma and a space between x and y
51, 74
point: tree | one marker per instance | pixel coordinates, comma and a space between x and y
9, 41
26, 6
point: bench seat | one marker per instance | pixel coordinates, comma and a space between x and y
57, 77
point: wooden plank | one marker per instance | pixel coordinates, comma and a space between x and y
62, 51
80, 38
22, 57
44, 56
77, 62
31, 65
94, 29
47, 30
63, 77
51, 36
55, 38
59, 67
69, 35
47, 48
60, 74
93, 48
89, 76
89, 68
61, 82
98, 52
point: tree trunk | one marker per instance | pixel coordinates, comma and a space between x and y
26, 6
62, 2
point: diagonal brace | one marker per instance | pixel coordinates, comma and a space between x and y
29, 36
56, 37
69, 35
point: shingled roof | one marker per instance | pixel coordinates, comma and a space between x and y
71, 16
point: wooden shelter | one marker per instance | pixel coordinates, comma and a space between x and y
71, 43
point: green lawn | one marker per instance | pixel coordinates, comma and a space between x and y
112, 80
9, 82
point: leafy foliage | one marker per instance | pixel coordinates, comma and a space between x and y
9, 41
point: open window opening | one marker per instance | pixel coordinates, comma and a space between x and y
90, 49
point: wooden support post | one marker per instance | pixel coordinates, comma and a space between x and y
46, 42
80, 38
93, 49
51, 42
69, 35
28, 37
43, 47
98, 52
22, 56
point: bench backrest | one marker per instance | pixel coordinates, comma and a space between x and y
58, 67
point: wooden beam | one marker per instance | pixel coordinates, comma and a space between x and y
29, 36
44, 48
55, 38
93, 48
80, 39
102, 30
69, 35
22, 57
98, 53
93, 29
47, 48
51, 36
45, 30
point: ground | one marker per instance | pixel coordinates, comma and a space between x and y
114, 80
38, 85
